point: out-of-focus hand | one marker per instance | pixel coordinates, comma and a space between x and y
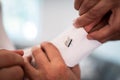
50, 65
93, 29
93, 12
10, 65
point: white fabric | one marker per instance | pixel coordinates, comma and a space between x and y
79, 46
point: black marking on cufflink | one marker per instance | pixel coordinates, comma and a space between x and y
68, 42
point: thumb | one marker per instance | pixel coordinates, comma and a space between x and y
30, 71
101, 35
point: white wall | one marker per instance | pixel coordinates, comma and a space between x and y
57, 16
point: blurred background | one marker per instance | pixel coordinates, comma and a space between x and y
29, 22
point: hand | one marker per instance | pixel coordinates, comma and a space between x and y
50, 65
93, 12
10, 65
100, 25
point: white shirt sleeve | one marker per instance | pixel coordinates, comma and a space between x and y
73, 46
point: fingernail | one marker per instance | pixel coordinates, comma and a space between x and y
76, 23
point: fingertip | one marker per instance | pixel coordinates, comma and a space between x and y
44, 44
35, 48
75, 25
90, 37
20, 52
76, 7
78, 23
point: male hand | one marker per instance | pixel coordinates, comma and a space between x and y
50, 65
10, 65
93, 12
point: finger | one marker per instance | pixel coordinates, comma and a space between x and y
114, 23
87, 5
93, 14
11, 73
104, 21
101, 34
28, 59
115, 36
76, 71
77, 4
51, 51
9, 58
97, 27
40, 57
20, 52
91, 26
111, 37
30, 71
31, 60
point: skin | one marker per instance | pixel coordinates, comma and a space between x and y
93, 15
11, 65
50, 65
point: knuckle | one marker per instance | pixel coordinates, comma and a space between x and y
86, 6
93, 14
